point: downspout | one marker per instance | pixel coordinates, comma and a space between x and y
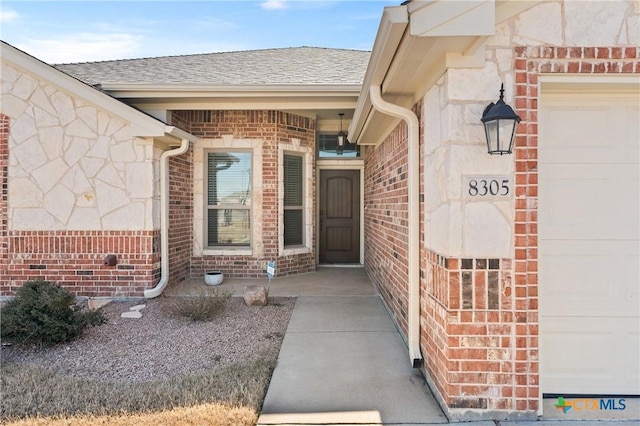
164, 219
413, 134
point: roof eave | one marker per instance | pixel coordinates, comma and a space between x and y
391, 30
439, 34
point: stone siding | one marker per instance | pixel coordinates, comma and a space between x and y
76, 187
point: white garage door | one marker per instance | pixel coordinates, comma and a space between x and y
589, 227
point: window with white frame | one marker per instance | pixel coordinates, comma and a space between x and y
228, 199
293, 199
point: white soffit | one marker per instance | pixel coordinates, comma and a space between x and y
452, 18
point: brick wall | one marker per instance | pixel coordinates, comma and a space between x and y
385, 221
74, 259
180, 216
471, 333
271, 128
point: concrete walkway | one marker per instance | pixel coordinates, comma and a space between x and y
342, 361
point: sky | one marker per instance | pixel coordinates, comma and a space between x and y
86, 31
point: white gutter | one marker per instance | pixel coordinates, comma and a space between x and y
164, 219
413, 213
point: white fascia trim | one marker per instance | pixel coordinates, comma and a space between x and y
392, 27
452, 18
141, 124
180, 134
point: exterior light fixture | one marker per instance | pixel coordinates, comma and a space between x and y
500, 122
342, 138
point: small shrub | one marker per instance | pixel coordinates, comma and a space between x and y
45, 313
202, 305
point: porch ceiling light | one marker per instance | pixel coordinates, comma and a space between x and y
500, 122
342, 138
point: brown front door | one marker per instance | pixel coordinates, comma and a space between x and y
339, 216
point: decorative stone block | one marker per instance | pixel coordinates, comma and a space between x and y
25, 219
487, 232
24, 193
462, 84
139, 180
129, 217
23, 129
25, 86
593, 23
64, 107
255, 295
138, 307
49, 174
51, 139
80, 129
59, 202
84, 218
541, 24
76, 150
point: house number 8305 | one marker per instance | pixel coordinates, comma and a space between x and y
488, 186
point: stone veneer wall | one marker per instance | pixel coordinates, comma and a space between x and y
77, 186
264, 133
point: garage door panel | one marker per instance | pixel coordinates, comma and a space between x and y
596, 138
589, 247
590, 201
589, 356
574, 278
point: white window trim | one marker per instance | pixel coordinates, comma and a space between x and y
228, 143
307, 154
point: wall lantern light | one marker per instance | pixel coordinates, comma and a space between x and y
500, 122
342, 138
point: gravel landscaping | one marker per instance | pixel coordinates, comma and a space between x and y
159, 345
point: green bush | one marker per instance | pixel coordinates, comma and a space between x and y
45, 313
202, 305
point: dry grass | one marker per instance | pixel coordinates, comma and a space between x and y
226, 396
202, 305
203, 414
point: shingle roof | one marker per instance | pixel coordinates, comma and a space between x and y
290, 66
